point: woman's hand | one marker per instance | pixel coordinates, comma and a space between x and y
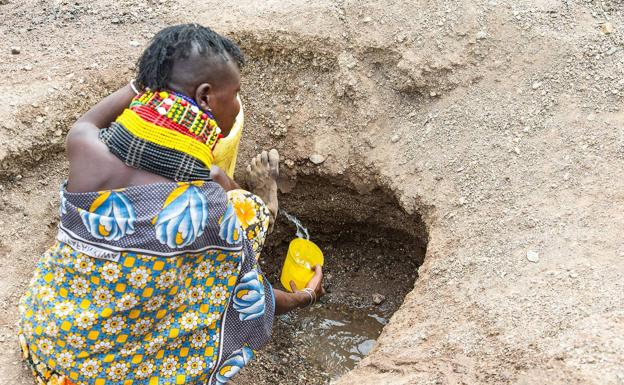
316, 283
285, 302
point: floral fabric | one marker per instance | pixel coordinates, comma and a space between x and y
183, 303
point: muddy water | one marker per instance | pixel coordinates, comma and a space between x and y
372, 254
336, 336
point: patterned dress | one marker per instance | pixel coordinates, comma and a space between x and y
152, 284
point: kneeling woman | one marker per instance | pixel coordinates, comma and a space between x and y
154, 277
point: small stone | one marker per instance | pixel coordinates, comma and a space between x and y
40, 119
365, 347
591, 117
317, 158
289, 163
516, 150
378, 299
395, 138
536, 85
367, 20
532, 256
612, 50
15, 50
607, 28
18, 177
58, 132
481, 35
115, 20
433, 94
134, 43
462, 200
27, 68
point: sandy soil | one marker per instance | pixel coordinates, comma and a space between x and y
499, 123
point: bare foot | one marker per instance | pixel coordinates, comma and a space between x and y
263, 172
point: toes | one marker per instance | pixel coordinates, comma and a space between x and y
264, 157
274, 161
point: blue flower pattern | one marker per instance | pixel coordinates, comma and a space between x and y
234, 364
230, 230
110, 217
249, 297
63, 205
183, 217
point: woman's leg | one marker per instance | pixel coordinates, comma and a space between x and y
253, 215
256, 211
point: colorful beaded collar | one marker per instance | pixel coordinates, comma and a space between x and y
177, 112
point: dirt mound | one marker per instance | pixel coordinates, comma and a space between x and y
499, 125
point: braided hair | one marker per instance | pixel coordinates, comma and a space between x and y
179, 42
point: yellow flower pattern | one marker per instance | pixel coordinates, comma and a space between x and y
140, 319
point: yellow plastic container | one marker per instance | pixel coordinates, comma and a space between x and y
301, 258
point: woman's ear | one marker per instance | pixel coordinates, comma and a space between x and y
203, 94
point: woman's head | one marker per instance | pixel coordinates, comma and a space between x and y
199, 63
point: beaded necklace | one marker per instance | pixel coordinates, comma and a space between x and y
177, 112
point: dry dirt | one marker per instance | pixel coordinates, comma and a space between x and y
499, 124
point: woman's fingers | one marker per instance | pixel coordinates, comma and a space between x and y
316, 283
293, 286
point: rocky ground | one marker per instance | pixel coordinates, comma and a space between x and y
496, 125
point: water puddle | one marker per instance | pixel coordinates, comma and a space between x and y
335, 337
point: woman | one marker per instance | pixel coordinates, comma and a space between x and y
154, 278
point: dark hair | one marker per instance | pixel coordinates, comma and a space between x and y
179, 42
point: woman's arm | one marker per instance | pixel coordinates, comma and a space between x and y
85, 131
219, 176
285, 302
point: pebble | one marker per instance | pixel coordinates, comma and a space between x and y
607, 28
289, 163
115, 20
536, 85
367, 20
40, 119
481, 35
365, 347
15, 50
532, 256
27, 68
378, 299
134, 43
317, 158
395, 138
